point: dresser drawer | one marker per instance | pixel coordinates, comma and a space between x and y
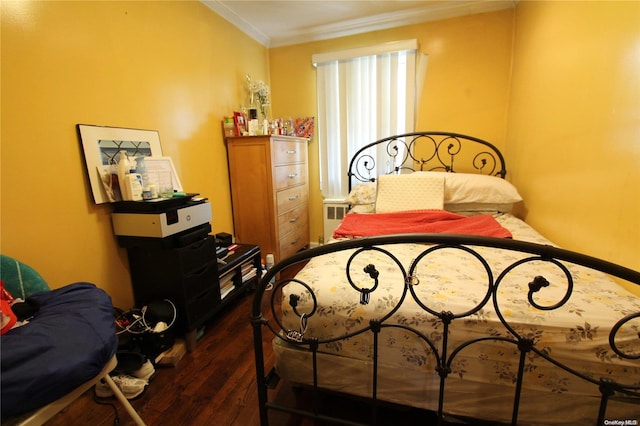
201, 280
289, 152
289, 198
293, 242
290, 175
292, 218
195, 255
200, 309
296, 221
153, 269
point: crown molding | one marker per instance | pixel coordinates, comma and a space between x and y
237, 20
431, 11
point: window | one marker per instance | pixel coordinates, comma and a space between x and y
363, 95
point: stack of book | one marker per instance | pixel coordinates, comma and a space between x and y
227, 283
248, 271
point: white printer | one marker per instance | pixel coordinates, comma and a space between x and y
159, 220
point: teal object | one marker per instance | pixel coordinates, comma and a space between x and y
20, 279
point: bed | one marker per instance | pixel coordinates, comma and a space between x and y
435, 295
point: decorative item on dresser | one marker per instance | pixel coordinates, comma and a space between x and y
270, 192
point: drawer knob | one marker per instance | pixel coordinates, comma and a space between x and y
291, 151
295, 197
295, 241
292, 175
294, 220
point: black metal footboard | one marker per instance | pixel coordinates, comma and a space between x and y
442, 351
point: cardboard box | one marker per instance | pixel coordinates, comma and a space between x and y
171, 357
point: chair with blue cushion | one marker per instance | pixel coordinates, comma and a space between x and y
23, 282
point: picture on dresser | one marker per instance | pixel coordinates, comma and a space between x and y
102, 146
304, 127
240, 122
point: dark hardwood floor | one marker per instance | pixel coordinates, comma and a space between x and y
215, 385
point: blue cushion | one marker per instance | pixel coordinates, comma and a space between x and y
68, 342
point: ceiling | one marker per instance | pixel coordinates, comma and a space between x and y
281, 23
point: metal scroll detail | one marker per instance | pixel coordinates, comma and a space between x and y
614, 331
425, 151
372, 267
294, 300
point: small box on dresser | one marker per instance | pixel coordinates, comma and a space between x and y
270, 192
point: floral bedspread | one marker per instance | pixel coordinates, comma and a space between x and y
454, 280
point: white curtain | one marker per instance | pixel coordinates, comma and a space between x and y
362, 98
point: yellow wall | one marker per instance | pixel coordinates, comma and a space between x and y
176, 67
574, 124
570, 106
554, 84
466, 88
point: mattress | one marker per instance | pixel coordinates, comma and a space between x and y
68, 342
482, 376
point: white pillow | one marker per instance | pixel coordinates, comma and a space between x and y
471, 188
470, 209
363, 193
405, 192
363, 208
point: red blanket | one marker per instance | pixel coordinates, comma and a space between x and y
423, 221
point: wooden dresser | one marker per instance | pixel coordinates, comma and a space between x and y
270, 192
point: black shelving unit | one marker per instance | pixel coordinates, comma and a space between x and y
190, 276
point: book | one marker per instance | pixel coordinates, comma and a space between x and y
227, 277
249, 274
224, 292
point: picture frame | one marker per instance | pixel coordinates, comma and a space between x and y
157, 165
304, 127
101, 145
240, 121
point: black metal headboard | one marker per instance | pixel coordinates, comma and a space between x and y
425, 151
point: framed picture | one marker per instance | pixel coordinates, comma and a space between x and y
101, 145
240, 120
157, 166
304, 127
